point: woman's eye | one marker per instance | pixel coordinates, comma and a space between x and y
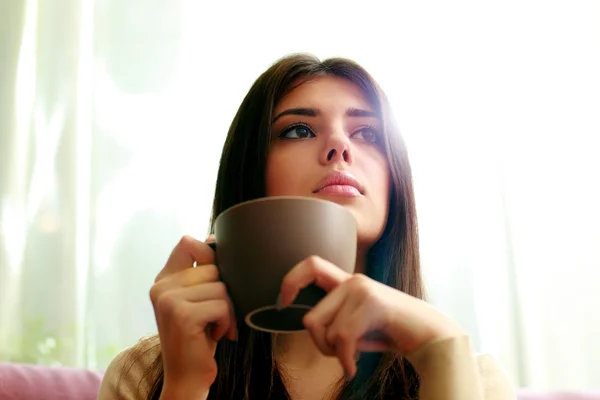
367, 134
297, 132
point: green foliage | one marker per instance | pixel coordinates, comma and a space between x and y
35, 343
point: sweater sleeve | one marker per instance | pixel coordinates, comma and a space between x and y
450, 370
128, 376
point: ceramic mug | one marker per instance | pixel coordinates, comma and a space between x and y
259, 241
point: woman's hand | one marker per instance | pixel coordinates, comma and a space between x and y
193, 311
360, 314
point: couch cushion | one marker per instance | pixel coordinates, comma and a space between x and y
529, 394
23, 382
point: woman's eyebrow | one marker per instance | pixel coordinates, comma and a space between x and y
356, 112
307, 112
313, 112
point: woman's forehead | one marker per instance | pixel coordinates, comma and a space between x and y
328, 93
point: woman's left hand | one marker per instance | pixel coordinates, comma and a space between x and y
361, 314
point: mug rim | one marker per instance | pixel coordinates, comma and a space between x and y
248, 318
275, 198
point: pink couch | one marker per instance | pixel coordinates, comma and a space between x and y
24, 382
527, 394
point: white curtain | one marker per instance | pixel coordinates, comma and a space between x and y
113, 114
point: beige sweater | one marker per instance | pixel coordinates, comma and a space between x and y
448, 368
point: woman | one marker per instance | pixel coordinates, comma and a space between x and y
302, 122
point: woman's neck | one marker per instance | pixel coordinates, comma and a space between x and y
306, 373
297, 351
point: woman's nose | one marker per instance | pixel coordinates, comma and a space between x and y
337, 149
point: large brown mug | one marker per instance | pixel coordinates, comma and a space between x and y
259, 241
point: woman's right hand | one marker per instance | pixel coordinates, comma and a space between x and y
193, 312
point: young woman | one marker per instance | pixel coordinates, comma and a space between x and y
324, 130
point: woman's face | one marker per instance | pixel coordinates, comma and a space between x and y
327, 143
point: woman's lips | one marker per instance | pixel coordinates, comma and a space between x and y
340, 183
340, 190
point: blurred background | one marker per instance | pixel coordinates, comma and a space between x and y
113, 114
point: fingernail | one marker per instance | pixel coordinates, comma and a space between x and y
347, 376
279, 302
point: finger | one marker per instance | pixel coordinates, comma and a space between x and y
311, 270
322, 315
204, 292
207, 292
187, 252
343, 335
214, 290
188, 277
192, 319
374, 341
216, 314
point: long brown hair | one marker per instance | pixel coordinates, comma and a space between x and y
246, 368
